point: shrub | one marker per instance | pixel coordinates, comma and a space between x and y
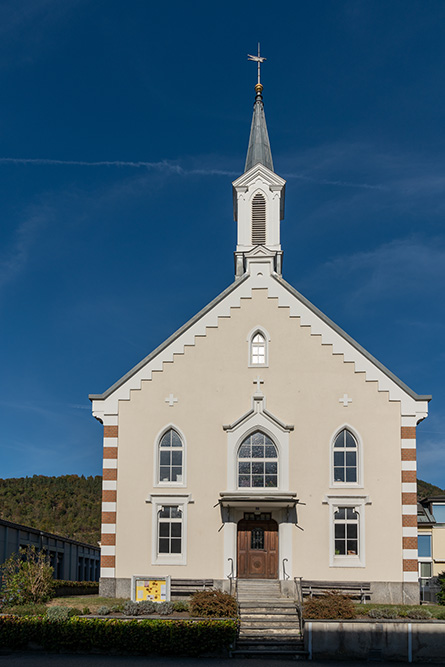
117, 608
131, 608
103, 611
383, 612
329, 605
164, 608
27, 577
86, 611
144, 637
213, 603
419, 613
58, 613
180, 606
146, 607
441, 594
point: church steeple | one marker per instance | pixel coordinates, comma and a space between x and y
258, 150
258, 197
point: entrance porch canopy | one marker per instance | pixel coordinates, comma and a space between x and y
257, 501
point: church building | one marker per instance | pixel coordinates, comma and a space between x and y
260, 441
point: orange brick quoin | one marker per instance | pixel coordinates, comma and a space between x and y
410, 542
410, 565
409, 499
110, 452
409, 520
108, 539
409, 432
109, 496
108, 561
110, 474
409, 476
110, 431
408, 454
108, 517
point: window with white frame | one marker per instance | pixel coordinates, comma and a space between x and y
424, 545
258, 349
345, 458
346, 532
257, 462
170, 533
171, 458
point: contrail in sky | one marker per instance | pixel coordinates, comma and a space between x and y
164, 164
177, 169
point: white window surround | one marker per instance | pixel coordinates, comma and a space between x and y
258, 330
250, 460
360, 473
358, 503
258, 421
156, 459
158, 500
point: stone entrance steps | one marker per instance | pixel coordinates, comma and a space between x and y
269, 624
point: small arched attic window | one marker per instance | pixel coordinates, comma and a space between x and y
258, 220
258, 347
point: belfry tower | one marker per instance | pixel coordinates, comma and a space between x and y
258, 198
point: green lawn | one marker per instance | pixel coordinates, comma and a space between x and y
90, 601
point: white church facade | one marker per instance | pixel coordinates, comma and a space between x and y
260, 441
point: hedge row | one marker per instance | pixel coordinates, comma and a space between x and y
115, 636
59, 583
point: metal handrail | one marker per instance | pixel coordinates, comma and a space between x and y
299, 601
285, 574
231, 576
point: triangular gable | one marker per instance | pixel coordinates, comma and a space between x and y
299, 306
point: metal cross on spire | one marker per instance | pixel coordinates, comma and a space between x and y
258, 59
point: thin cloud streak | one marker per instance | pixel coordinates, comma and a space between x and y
162, 165
165, 165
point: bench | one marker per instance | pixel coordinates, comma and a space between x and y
354, 589
189, 586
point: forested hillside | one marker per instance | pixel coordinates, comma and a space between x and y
68, 505
425, 489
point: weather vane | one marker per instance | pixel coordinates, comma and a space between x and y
258, 59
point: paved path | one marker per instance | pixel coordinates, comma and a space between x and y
54, 660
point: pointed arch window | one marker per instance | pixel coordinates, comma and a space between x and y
345, 458
171, 458
258, 349
258, 220
257, 462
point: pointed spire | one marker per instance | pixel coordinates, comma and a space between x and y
258, 150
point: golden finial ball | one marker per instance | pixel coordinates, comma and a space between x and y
259, 88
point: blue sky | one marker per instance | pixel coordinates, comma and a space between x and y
122, 125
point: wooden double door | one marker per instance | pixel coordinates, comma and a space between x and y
257, 549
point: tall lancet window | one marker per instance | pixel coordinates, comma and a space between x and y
258, 220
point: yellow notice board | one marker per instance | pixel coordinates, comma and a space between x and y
156, 589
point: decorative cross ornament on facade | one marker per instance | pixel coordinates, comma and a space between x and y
171, 400
258, 381
345, 400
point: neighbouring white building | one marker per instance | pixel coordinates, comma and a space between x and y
260, 440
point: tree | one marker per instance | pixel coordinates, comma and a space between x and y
27, 577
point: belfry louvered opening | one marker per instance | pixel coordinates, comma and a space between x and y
258, 220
